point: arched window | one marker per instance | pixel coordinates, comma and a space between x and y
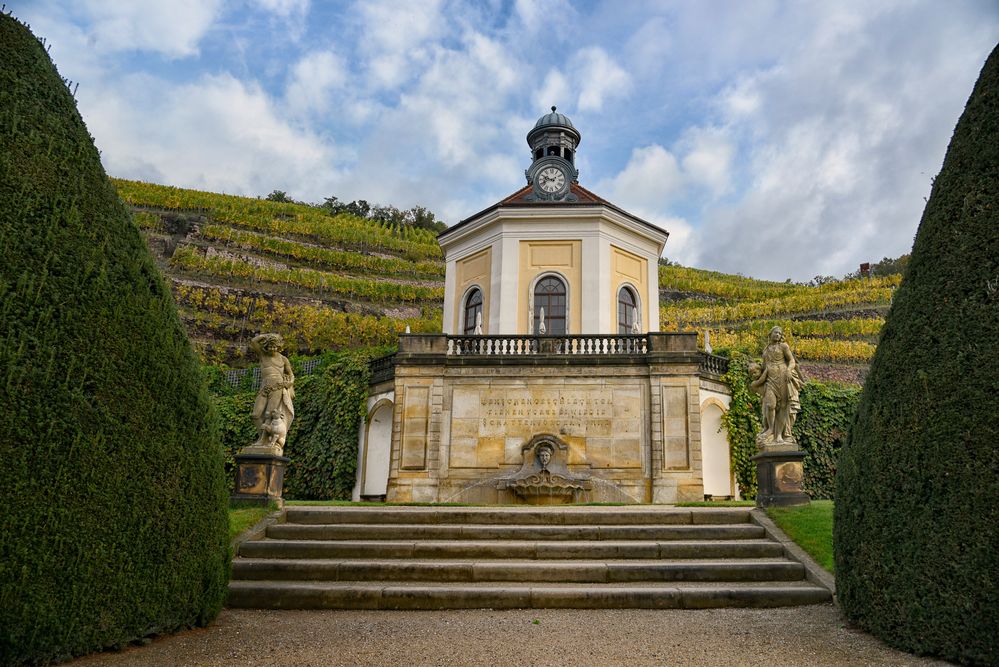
473, 308
549, 293
627, 310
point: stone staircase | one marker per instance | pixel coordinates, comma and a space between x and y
516, 557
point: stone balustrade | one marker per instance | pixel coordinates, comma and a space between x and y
712, 363
382, 368
564, 345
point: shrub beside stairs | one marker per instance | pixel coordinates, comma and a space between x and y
515, 557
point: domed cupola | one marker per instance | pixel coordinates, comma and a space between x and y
553, 143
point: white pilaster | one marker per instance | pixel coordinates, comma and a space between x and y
449, 297
506, 273
652, 298
602, 294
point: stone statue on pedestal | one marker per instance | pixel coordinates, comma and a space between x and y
273, 409
778, 382
780, 463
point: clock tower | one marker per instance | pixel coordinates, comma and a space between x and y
553, 258
553, 143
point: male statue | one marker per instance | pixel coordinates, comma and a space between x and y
273, 409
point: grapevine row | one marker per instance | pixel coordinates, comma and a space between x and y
333, 259
857, 326
804, 302
189, 259
307, 328
283, 218
813, 349
740, 288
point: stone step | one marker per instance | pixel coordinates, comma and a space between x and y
419, 595
521, 549
577, 571
589, 515
387, 531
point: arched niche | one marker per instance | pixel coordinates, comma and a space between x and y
716, 466
377, 450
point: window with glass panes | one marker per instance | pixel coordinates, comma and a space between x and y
473, 308
549, 293
626, 307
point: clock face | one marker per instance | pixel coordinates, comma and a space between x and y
551, 179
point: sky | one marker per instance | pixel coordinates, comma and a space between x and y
772, 139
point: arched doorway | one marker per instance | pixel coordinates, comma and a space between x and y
377, 450
717, 468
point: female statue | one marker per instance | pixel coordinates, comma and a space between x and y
778, 382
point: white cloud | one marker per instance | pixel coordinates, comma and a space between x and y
312, 80
651, 176
708, 158
284, 8
599, 78
395, 37
217, 133
837, 141
535, 15
554, 89
172, 27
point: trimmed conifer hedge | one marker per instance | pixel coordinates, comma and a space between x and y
917, 500
114, 522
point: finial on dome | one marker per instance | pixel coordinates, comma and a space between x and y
553, 108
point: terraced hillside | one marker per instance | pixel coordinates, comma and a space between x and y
239, 266
832, 328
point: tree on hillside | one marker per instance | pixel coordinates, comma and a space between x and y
917, 515
279, 196
418, 216
114, 522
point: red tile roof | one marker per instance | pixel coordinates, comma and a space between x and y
583, 196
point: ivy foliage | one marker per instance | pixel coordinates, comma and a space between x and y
114, 523
322, 441
821, 429
915, 533
742, 422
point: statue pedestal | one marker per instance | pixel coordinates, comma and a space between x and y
259, 478
780, 475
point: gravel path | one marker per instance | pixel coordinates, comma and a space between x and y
815, 635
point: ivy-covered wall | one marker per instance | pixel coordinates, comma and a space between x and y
322, 442
821, 429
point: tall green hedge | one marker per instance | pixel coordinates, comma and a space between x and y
322, 441
113, 524
917, 505
821, 429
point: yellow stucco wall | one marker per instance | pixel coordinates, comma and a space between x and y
629, 269
561, 257
473, 270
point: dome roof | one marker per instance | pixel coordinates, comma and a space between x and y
554, 118
550, 121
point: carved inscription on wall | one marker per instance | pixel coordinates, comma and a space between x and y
604, 426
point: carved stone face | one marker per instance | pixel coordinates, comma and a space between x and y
544, 456
776, 335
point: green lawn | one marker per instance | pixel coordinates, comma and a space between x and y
242, 518
810, 526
